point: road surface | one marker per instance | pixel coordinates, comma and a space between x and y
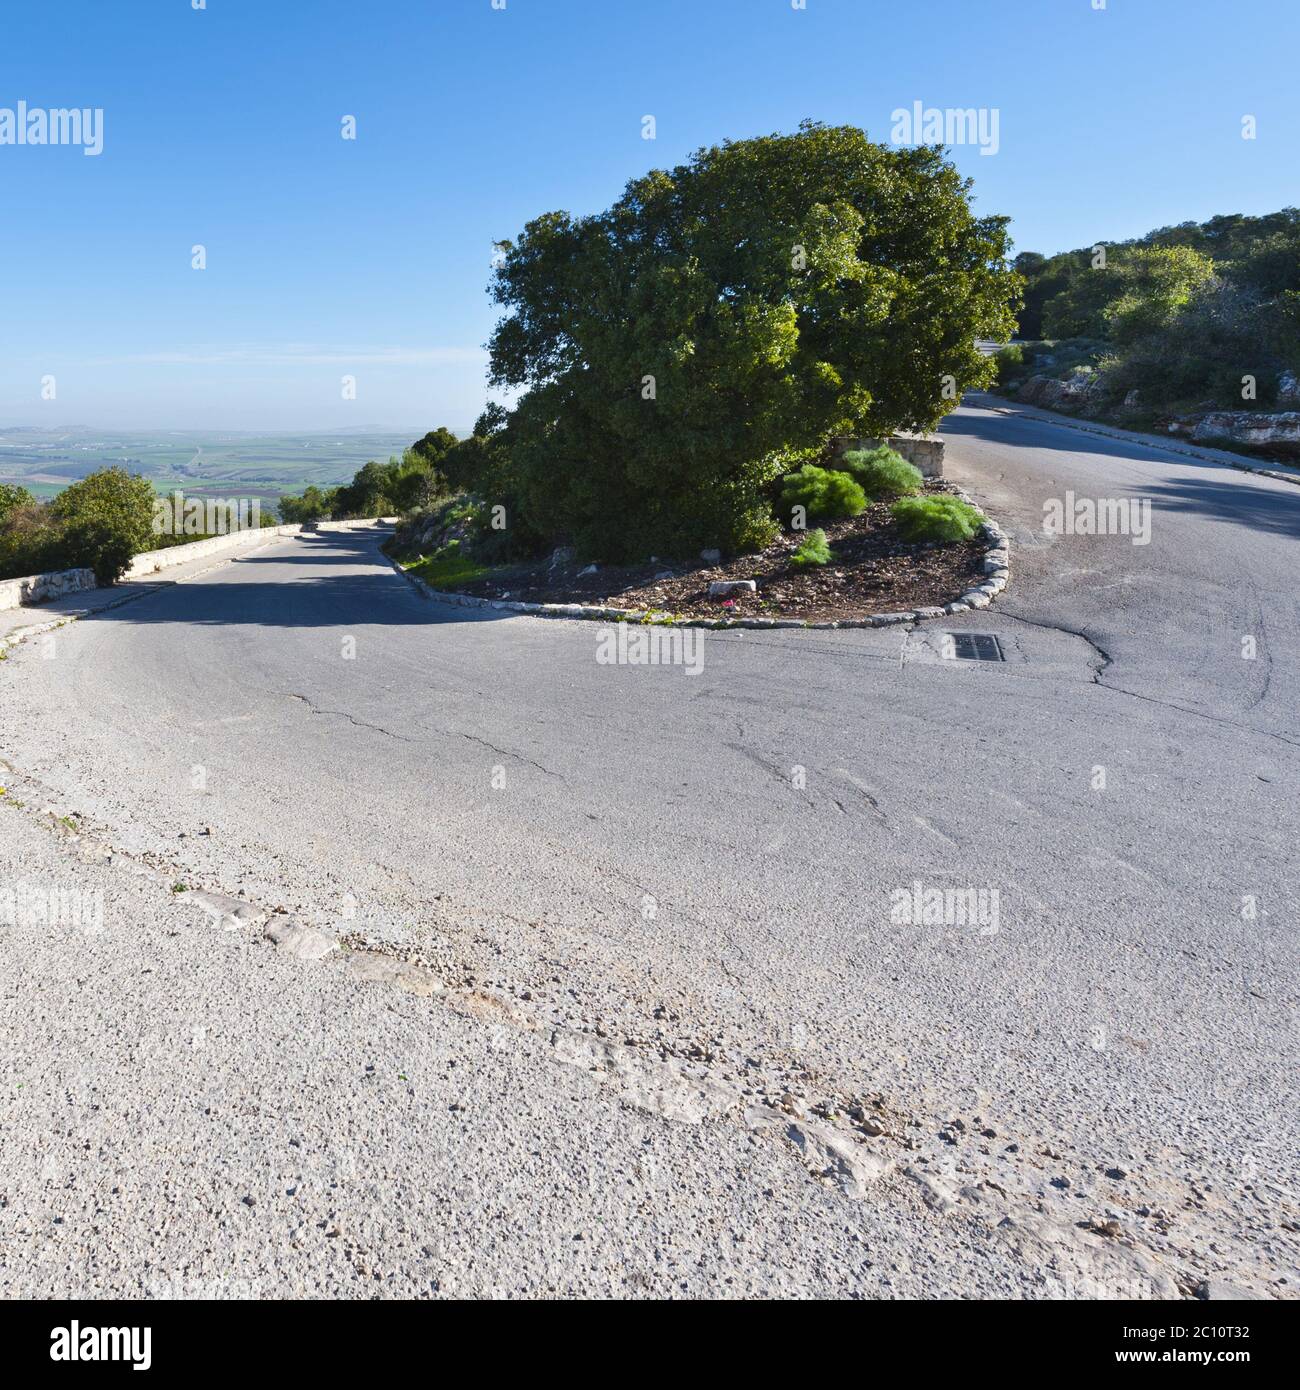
626, 1010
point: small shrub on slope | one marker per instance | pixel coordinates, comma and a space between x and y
940, 518
881, 473
813, 550
824, 495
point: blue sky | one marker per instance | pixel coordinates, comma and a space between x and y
370, 257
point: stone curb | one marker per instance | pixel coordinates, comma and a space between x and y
996, 563
1006, 405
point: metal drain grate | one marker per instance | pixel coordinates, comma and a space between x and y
976, 646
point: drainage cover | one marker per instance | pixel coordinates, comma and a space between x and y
976, 646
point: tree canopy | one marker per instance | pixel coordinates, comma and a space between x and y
672, 352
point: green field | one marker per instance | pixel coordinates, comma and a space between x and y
201, 463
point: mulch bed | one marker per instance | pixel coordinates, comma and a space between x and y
871, 571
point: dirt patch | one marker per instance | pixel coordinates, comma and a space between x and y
872, 570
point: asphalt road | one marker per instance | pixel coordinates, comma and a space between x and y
653, 983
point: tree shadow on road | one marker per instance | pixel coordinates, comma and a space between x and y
370, 594
1215, 491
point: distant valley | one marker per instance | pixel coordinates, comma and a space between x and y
201, 462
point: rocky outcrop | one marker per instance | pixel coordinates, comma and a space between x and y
1249, 429
428, 532
1084, 393
1080, 390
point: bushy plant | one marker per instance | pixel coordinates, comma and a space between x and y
880, 472
1197, 356
313, 505
823, 494
104, 520
1137, 291
935, 518
26, 534
1010, 362
12, 499
814, 549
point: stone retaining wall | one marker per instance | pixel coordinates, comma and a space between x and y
41, 588
923, 451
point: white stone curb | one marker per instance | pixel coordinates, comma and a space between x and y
996, 562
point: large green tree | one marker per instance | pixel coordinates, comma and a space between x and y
672, 352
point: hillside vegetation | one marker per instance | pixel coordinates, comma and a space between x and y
1201, 316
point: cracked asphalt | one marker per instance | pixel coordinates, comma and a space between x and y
792, 1091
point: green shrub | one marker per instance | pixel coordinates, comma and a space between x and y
880, 473
104, 521
12, 499
1011, 363
313, 505
813, 550
500, 533
937, 518
824, 495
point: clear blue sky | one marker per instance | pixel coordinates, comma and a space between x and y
327, 257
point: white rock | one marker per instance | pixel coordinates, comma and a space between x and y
720, 588
302, 943
828, 1154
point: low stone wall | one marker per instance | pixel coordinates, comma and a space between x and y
923, 451
151, 561
41, 588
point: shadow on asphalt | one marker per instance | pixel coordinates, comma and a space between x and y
380, 598
1220, 492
